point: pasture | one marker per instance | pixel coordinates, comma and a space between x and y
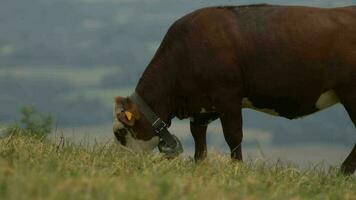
32, 168
69, 59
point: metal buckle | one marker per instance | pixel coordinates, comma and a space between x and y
159, 125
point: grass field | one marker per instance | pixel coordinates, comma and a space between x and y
31, 168
256, 144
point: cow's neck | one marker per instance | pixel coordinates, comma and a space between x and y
155, 88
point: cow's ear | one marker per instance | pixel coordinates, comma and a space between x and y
126, 111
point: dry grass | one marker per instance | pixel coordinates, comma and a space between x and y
31, 168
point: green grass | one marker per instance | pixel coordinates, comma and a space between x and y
31, 168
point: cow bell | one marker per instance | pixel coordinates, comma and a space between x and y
171, 149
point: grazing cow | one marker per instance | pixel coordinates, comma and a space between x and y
288, 61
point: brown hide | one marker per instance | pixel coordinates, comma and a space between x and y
281, 58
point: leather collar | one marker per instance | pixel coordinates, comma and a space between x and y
169, 144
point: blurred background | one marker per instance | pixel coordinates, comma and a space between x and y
69, 58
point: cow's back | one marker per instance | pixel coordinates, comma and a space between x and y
276, 57
294, 55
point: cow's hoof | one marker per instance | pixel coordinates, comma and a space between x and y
200, 157
348, 169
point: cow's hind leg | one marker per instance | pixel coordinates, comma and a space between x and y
199, 134
348, 99
349, 165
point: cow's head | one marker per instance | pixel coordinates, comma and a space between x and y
131, 128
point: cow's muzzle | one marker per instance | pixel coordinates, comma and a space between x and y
171, 148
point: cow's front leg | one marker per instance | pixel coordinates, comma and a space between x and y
199, 134
231, 121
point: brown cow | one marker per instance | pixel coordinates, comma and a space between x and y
289, 61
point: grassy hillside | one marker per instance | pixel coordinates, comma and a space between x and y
35, 169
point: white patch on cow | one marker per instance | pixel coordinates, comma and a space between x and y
141, 145
246, 103
131, 142
203, 110
327, 99
117, 125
